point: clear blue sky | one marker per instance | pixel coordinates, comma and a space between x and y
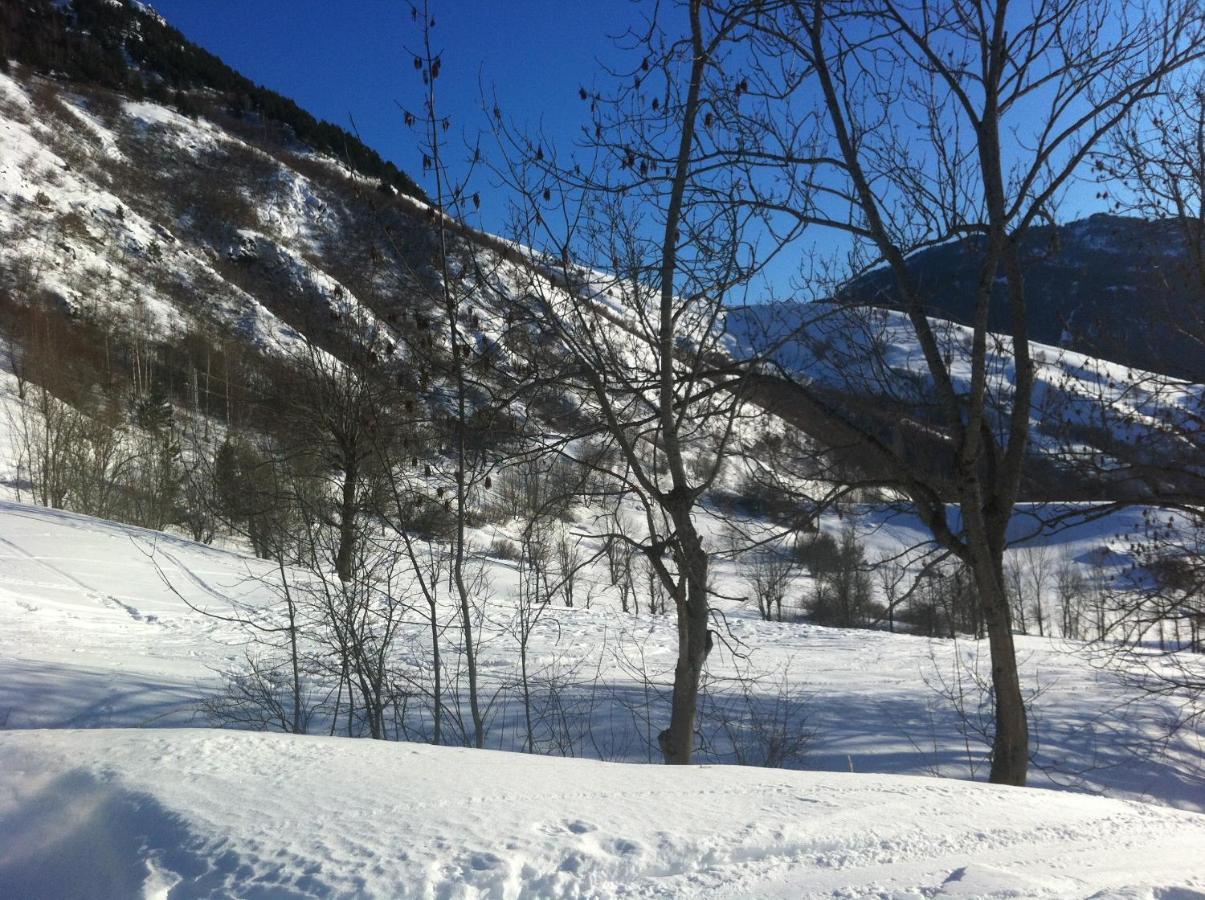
349, 60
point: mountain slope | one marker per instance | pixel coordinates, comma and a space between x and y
126, 46
109, 204
151, 225
1089, 418
1109, 286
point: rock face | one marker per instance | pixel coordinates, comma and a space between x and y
1110, 286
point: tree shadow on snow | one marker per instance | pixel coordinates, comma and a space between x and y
40, 694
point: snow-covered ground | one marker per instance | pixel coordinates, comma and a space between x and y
92, 637
190, 813
102, 629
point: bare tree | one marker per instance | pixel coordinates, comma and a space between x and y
771, 574
1071, 588
643, 341
843, 593
958, 119
336, 420
1038, 565
1151, 615
1155, 167
454, 289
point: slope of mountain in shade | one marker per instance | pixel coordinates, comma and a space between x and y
1109, 286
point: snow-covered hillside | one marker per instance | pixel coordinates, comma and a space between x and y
131, 211
1089, 285
1082, 407
96, 633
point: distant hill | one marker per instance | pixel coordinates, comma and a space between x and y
1109, 286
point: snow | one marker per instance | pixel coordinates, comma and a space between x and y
64, 211
207, 814
102, 628
876, 353
101, 135
93, 637
190, 135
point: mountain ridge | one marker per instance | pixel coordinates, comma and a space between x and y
1111, 286
128, 46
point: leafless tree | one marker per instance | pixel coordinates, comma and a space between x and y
1038, 562
453, 291
337, 420
1154, 167
771, 575
643, 341
1152, 614
1071, 588
843, 594
935, 121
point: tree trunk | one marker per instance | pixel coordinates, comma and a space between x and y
347, 527
694, 643
1010, 746
294, 651
437, 728
531, 737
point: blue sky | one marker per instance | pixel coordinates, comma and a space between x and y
348, 61
351, 62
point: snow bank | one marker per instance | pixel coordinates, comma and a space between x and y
205, 814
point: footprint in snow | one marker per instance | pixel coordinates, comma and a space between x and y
482, 862
623, 847
579, 827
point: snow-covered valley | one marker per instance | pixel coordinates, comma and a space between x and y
348, 549
96, 634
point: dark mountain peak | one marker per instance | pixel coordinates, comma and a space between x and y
1119, 287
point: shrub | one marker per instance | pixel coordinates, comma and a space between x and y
819, 553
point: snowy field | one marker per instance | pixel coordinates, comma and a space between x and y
222, 814
92, 638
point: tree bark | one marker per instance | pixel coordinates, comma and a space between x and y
345, 555
694, 643
1010, 745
